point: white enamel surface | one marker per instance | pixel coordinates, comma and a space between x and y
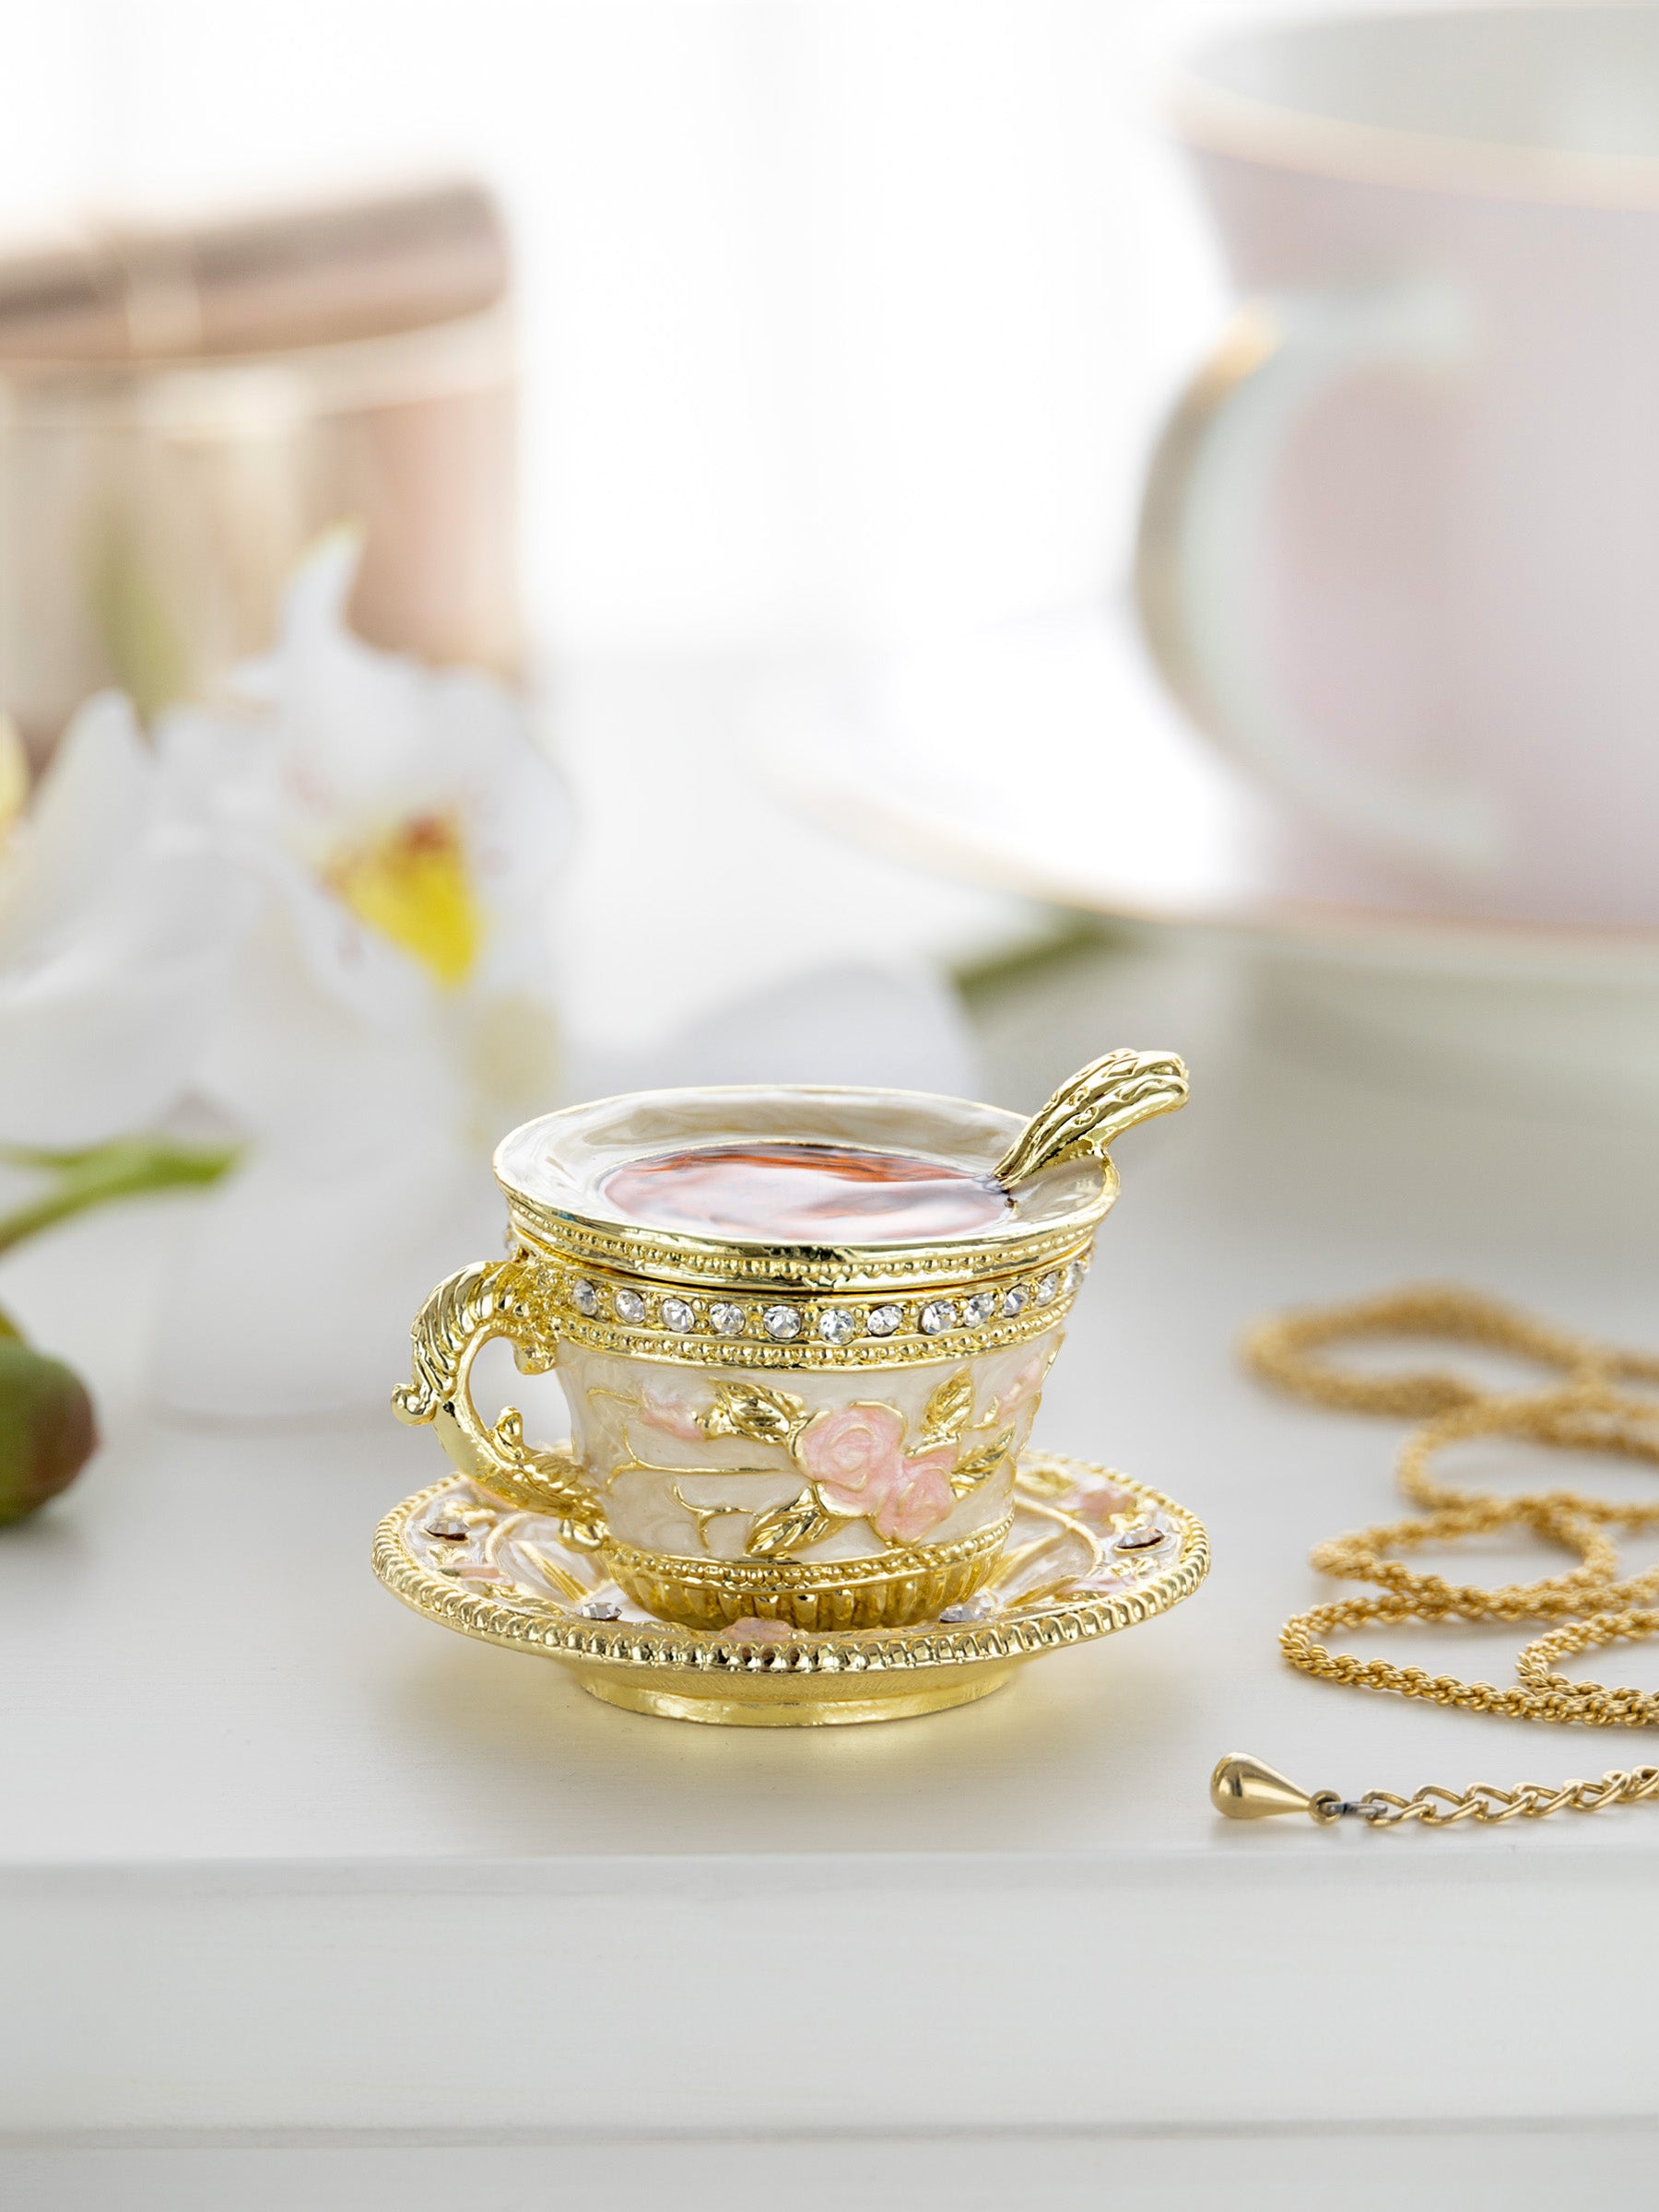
637, 1464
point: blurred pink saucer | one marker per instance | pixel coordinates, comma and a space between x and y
1044, 758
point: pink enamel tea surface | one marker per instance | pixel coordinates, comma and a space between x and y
805, 1194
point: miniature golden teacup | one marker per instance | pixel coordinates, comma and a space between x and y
801, 1332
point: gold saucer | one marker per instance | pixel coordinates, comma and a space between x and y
1090, 1552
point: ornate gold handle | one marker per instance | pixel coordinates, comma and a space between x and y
487, 1299
1092, 1108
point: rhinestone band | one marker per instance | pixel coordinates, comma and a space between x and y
637, 1317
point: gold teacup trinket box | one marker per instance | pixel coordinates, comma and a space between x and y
801, 1332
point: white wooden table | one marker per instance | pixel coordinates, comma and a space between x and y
282, 1865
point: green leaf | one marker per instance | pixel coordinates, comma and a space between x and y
124, 1168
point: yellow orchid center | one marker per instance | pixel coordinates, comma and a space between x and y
14, 778
412, 885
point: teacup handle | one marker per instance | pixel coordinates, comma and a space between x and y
1203, 523
491, 1299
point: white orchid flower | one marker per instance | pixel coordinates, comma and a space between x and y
390, 1010
116, 928
391, 1013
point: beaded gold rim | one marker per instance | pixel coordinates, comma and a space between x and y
656, 1256
649, 1651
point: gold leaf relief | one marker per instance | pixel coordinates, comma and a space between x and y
1046, 1478
789, 1528
980, 1464
749, 1410
946, 1414
563, 1584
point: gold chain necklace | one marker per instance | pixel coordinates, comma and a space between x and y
1589, 1604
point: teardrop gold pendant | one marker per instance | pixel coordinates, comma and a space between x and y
1244, 1789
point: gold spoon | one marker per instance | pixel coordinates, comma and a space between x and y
1093, 1107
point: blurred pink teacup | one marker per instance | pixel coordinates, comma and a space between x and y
1400, 548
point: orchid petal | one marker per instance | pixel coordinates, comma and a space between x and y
90, 812
116, 934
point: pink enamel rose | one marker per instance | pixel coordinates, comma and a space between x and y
919, 1500
1103, 1505
752, 1630
855, 1455
675, 1415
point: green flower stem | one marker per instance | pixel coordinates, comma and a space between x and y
124, 1168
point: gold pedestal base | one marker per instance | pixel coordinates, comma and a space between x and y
831, 1600
795, 1704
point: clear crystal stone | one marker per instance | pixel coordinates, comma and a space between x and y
726, 1320
782, 1322
584, 1298
978, 1308
1074, 1274
1048, 1289
447, 1529
676, 1315
1145, 1537
978, 1607
1016, 1300
600, 1608
835, 1324
629, 1305
937, 1315
884, 1320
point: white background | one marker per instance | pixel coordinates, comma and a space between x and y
844, 319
